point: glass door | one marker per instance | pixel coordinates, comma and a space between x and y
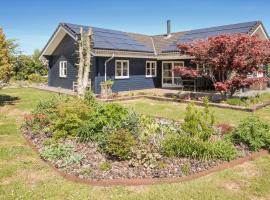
167, 71
169, 78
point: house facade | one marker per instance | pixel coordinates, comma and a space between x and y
133, 61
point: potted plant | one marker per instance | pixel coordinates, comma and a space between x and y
106, 87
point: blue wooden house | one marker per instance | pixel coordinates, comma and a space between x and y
133, 61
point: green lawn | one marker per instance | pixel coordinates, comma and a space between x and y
23, 175
176, 111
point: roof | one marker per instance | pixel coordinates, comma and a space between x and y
107, 40
204, 33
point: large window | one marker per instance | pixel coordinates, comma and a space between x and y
121, 69
151, 69
63, 69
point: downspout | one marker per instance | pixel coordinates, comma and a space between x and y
106, 61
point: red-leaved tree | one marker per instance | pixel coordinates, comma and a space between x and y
230, 60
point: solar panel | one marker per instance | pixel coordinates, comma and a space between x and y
207, 32
112, 39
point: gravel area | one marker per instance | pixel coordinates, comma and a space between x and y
89, 166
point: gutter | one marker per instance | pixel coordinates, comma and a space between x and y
106, 61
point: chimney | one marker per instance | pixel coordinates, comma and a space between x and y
168, 28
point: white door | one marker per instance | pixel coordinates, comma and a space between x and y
169, 78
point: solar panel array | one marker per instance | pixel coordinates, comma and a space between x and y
207, 32
111, 39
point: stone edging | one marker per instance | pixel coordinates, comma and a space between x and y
218, 105
150, 181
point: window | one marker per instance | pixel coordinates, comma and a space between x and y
121, 69
204, 69
63, 69
151, 69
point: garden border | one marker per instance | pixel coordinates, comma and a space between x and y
149, 181
218, 105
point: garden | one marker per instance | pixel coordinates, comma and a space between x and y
96, 140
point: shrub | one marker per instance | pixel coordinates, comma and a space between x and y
224, 128
198, 123
105, 166
102, 122
146, 155
119, 144
70, 116
252, 132
64, 153
37, 78
90, 99
185, 146
48, 106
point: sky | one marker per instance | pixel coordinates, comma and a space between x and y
32, 22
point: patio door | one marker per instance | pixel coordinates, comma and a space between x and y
169, 78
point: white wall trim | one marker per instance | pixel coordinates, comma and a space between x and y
260, 27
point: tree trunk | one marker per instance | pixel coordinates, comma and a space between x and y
87, 60
81, 66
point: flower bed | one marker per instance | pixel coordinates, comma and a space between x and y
96, 141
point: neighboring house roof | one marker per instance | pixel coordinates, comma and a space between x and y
108, 41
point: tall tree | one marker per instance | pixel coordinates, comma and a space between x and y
5, 65
230, 59
85, 48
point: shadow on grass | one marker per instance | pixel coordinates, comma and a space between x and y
7, 100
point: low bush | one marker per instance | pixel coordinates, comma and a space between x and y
253, 132
104, 120
119, 144
105, 166
62, 153
224, 128
198, 123
37, 78
185, 146
70, 116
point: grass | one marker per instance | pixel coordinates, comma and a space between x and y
176, 111
23, 175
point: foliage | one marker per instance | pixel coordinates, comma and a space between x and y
104, 119
185, 168
70, 116
5, 64
36, 78
119, 144
186, 72
36, 122
106, 166
186, 146
107, 84
252, 132
247, 101
224, 128
145, 154
230, 59
62, 152
25, 66
48, 106
236, 83
90, 99
198, 123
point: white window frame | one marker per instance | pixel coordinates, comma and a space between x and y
122, 66
155, 65
62, 69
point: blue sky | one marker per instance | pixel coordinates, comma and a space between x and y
33, 22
